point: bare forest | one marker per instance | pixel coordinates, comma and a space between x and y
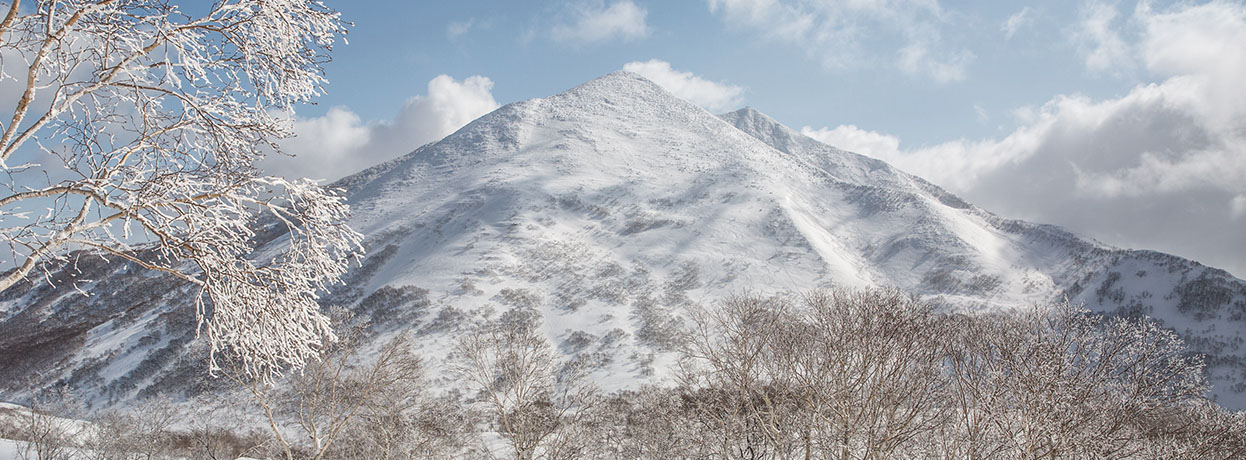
845, 375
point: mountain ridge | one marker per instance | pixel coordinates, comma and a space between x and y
607, 211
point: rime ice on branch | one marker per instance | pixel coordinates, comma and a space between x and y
136, 133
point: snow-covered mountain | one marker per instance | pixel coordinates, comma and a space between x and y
607, 210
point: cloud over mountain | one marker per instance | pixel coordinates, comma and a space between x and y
608, 212
339, 142
1108, 167
716, 97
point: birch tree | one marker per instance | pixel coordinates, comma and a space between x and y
131, 128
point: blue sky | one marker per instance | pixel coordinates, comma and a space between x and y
1124, 121
396, 48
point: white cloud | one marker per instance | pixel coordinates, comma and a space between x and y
1206, 45
621, 20
713, 96
1016, 22
1160, 167
776, 20
834, 32
854, 139
339, 142
1099, 41
956, 164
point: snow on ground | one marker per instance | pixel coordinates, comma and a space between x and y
13, 417
8, 449
611, 209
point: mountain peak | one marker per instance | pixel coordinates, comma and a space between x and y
602, 214
617, 83
621, 90
623, 77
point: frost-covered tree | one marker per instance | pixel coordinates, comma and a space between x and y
134, 132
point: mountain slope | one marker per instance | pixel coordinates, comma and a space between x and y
604, 212
1207, 306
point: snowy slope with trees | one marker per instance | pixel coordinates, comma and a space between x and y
603, 213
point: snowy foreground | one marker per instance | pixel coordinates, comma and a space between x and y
8, 449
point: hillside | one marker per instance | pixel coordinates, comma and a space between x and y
607, 210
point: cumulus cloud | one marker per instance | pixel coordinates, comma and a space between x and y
1016, 22
715, 97
1160, 167
835, 32
339, 142
592, 23
854, 139
957, 165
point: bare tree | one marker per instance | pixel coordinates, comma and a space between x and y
871, 361
136, 134
532, 397
211, 432
652, 423
401, 421
321, 399
850, 374
975, 395
1060, 382
728, 366
415, 427
46, 428
142, 433
1201, 430
384, 429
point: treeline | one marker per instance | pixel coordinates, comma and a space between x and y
846, 375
